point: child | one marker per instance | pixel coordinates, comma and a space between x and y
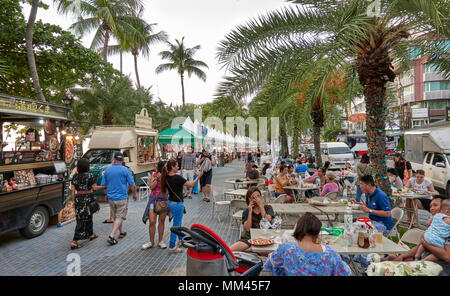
438, 231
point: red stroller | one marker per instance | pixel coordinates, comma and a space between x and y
209, 255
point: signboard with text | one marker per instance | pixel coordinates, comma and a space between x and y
419, 112
16, 105
359, 117
143, 120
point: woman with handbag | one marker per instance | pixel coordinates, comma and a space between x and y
157, 206
174, 183
83, 186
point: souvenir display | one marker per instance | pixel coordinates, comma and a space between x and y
25, 177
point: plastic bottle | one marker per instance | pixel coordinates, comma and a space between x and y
348, 216
345, 193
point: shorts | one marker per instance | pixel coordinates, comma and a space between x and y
119, 208
206, 178
425, 203
188, 175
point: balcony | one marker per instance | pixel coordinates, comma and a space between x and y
434, 76
437, 94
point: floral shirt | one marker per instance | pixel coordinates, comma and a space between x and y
290, 260
83, 181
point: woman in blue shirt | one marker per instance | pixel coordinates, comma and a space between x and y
305, 257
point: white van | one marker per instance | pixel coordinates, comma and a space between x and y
338, 153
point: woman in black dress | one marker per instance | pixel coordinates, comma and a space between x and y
83, 186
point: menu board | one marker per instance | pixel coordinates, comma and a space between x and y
25, 177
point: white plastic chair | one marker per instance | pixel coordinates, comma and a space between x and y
280, 199
397, 215
237, 207
216, 192
412, 236
144, 191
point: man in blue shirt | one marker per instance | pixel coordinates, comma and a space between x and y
117, 178
301, 168
377, 206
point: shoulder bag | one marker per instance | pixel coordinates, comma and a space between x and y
93, 206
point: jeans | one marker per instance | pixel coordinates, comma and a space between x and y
177, 210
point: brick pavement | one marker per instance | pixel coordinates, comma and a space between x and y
46, 255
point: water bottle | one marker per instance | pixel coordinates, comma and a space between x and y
348, 217
345, 193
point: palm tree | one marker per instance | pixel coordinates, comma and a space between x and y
182, 59
30, 51
139, 43
342, 34
109, 18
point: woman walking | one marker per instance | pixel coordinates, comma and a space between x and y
157, 196
175, 185
83, 186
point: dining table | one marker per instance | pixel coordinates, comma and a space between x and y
241, 183
387, 246
300, 196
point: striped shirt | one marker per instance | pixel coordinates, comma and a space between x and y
188, 161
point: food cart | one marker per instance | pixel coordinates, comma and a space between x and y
33, 171
138, 143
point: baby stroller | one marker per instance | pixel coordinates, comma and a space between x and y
209, 255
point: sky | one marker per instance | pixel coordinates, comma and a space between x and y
201, 22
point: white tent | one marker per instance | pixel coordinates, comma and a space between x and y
189, 125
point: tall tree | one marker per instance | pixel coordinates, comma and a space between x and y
182, 60
344, 34
30, 50
109, 18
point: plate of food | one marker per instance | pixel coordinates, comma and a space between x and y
68, 153
260, 242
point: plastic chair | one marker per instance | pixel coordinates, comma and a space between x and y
280, 199
216, 192
144, 191
261, 186
412, 236
237, 207
397, 215
331, 195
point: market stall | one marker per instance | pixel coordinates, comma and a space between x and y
33, 171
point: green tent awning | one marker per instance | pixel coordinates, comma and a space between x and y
176, 135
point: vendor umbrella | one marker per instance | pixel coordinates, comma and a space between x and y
176, 135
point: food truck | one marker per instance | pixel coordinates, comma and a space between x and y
35, 148
138, 143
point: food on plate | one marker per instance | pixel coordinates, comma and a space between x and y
53, 144
68, 151
261, 242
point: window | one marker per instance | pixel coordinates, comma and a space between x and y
429, 67
100, 156
339, 150
126, 153
438, 158
429, 157
437, 85
437, 104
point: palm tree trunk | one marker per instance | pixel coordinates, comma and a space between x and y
284, 141
182, 87
107, 118
136, 70
295, 143
30, 52
105, 45
317, 117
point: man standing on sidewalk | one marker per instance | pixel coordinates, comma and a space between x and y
117, 178
206, 164
188, 167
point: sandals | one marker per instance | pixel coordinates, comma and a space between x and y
112, 241
206, 199
94, 236
106, 221
122, 234
190, 197
73, 246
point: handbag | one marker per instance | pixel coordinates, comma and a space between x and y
161, 206
93, 206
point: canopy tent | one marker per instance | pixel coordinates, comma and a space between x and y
176, 135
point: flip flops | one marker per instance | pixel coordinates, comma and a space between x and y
206, 199
73, 246
93, 237
106, 221
122, 234
111, 240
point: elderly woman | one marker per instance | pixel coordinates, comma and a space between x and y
304, 256
331, 185
251, 217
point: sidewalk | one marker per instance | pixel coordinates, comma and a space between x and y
46, 254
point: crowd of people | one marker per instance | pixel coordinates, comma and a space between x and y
175, 180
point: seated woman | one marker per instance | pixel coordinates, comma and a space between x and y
283, 180
394, 178
305, 257
330, 186
420, 183
349, 172
251, 217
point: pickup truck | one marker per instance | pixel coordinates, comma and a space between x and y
429, 149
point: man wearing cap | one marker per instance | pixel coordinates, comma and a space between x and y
117, 178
